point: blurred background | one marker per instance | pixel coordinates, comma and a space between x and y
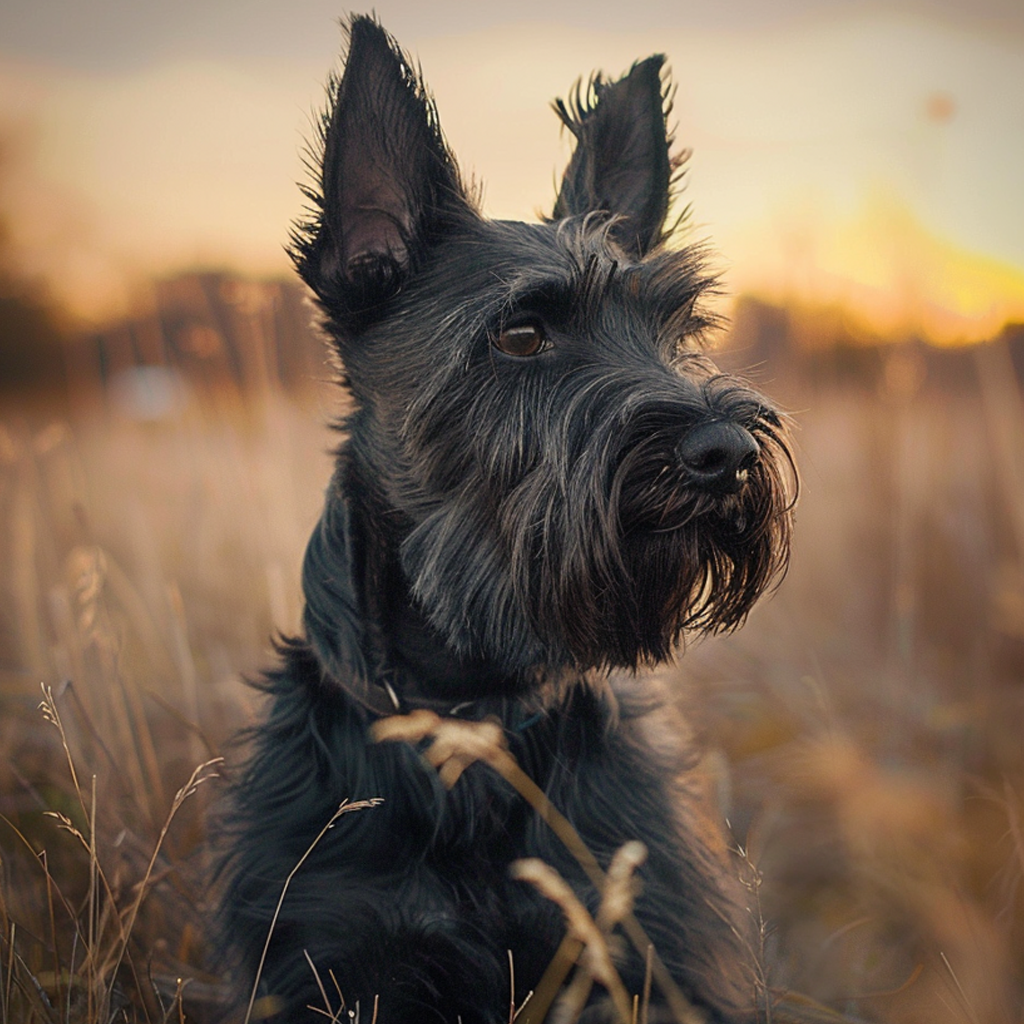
163, 449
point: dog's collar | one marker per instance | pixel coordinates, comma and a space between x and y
384, 697
381, 698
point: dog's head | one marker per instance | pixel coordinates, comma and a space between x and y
565, 478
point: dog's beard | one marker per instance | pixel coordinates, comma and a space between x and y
608, 566
652, 558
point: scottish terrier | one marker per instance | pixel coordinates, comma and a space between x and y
544, 487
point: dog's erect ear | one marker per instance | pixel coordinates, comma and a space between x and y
386, 180
621, 163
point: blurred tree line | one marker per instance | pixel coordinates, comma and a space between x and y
32, 328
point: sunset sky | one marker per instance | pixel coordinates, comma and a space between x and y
869, 154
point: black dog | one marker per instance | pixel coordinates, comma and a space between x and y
542, 482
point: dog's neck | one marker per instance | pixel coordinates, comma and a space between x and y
376, 641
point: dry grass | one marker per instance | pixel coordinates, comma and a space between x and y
143, 568
872, 712
863, 729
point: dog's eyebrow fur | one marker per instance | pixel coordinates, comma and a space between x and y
666, 288
677, 284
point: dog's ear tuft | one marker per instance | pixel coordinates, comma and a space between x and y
386, 182
621, 162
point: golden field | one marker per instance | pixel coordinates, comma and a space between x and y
863, 730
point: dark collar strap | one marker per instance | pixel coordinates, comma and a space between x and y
382, 700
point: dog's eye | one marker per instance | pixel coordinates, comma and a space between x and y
522, 340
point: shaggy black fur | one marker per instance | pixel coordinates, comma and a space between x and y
543, 482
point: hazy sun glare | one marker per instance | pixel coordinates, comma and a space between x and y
882, 262
874, 161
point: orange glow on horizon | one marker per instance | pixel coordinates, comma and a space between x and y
887, 270
866, 163
883, 268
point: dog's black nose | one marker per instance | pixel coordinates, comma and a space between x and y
717, 456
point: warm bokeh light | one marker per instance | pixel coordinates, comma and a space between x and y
900, 278
871, 161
